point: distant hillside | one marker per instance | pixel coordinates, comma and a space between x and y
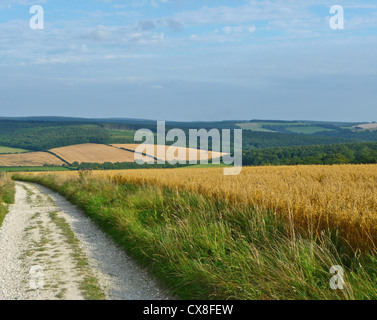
45, 133
354, 153
88, 154
41, 136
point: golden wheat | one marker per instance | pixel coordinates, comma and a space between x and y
29, 159
93, 153
313, 198
180, 153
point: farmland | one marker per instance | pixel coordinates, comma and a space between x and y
29, 159
33, 169
269, 233
180, 154
367, 126
50, 134
7, 150
311, 197
93, 153
285, 127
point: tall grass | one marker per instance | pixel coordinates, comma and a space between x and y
7, 192
315, 199
208, 248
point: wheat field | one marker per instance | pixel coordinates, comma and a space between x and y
29, 159
93, 153
180, 153
314, 199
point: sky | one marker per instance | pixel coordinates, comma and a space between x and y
190, 60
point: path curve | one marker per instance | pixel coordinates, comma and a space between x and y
48, 247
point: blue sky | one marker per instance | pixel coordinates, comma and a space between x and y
189, 59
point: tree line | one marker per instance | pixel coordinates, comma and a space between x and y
350, 153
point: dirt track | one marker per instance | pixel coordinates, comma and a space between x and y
50, 250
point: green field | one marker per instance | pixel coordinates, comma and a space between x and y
285, 127
253, 126
8, 150
307, 129
32, 169
209, 165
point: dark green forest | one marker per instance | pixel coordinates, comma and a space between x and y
44, 136
350, 153
258, 140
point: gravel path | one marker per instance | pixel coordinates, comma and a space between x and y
49, 249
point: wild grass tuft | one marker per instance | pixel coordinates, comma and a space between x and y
7, 193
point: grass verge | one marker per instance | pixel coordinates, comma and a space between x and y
7, 192
203, 248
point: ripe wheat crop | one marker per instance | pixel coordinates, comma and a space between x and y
93, 153
29, 159
315, 199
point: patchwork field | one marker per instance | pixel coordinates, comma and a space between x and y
180, 153
315, 197
367, 126
45, 168
253, 126
8, 150
93, 153
29, 159
293, 127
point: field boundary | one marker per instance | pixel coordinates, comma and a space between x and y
60, 158
134, 151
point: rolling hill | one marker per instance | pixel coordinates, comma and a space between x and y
86, 153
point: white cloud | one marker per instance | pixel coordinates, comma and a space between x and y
239, 29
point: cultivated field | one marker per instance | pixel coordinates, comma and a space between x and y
181, 153
368, 126
8, 150
253, 126
314, 198
93, 153
29, 159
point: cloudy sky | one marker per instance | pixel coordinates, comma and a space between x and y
189, 59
